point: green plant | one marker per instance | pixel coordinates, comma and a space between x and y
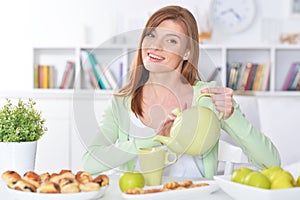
21, 122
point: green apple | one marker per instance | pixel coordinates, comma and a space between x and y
298, 182
130, 180
240, 174
257, 179
282, 174
281, 183
269, 171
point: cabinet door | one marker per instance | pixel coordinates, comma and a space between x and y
53, 148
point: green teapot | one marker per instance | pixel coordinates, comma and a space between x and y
194, 131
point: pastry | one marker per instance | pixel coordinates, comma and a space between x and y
45, 177
102, 180
32, 178
66, 174
49, 187
88, 187
10, 177
23, 185
68, 186
54, 178
171, 185
83, 177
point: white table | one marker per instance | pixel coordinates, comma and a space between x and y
114, 193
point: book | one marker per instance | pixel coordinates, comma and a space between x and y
94, 67
258, 77
36, 76
108, 77
289, 76
295, 78
232, 75
241, 74
88, 77
266, 77
250, 76
245, 75
68, 76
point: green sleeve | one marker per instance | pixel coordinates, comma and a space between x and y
258, 147
112, 147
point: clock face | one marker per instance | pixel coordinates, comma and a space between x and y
232, 15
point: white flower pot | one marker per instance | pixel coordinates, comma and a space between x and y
19, 157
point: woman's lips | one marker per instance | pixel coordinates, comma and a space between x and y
154, 57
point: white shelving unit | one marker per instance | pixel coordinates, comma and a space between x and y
280, 58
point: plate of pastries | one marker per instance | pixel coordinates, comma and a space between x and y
172, 189
63, 185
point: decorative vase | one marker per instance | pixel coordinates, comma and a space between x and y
17, 156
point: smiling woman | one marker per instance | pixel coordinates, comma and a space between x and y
163, 78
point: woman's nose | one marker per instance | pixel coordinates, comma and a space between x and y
156, 44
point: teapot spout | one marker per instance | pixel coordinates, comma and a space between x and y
162, 139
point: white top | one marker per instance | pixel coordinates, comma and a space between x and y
185, 165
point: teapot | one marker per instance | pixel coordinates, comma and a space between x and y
194, 131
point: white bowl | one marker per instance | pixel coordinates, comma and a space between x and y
244, 192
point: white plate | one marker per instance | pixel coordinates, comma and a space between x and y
189, 193
244, 192
20, 195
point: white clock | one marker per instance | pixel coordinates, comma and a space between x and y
232, 16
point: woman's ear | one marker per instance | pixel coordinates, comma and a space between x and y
186, 55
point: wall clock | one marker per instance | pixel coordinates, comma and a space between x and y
232, 16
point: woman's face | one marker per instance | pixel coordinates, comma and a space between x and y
165, 47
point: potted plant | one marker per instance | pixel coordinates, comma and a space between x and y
21, 126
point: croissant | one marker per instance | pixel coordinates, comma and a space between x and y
88, 187
83, 177
10, 177
49, 187
68, 186
32, 178
23, 185
102, 180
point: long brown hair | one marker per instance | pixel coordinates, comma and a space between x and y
139, 75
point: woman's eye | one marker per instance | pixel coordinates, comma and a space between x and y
172, 41
150, 35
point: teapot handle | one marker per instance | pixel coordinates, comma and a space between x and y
221, 114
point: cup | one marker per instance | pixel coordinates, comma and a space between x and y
152, 162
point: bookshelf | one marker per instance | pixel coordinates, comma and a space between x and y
118, 58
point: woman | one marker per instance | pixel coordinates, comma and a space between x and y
164, 76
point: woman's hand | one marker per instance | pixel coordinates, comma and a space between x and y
164, 130
222, 99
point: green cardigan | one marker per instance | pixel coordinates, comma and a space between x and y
113, 147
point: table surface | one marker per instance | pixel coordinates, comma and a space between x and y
113, 192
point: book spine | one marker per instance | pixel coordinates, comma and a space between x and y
266, 78
109, 77
93, 64
36, 76
289, 77
245, 76
296, 76
249, 79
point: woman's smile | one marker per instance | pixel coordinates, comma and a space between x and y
154, 57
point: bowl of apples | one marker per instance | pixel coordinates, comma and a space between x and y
271, 183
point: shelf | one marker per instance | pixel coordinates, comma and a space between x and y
279, 57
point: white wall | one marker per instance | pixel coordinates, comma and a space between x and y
68, 22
